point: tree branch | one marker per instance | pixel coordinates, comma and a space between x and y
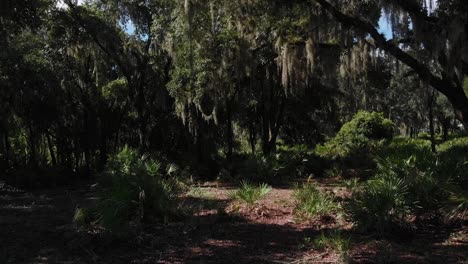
452, 90
424, 73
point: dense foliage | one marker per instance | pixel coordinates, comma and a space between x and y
134, 189
358, 137
200, 81
411, 181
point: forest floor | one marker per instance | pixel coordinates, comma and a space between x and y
37, 227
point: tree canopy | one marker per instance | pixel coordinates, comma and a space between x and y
198, 76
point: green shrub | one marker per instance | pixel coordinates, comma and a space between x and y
424, 135
135, 189
311, 202
249, 193
380, 205
457, 204
358, 137
401, 188
413, 181
454, 153
403, 148
458, 145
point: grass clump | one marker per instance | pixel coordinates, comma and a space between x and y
311, 202
199, 192
249, 193
335, 241
83, 216
351, 184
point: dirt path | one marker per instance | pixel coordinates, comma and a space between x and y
37, 228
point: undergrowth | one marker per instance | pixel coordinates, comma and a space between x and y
311, 202
249, 193
134, 189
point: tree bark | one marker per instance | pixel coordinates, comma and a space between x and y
32, 146
445, 126
252, 136
431, 120
229, 132
51, 149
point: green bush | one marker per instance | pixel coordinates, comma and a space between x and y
411, 180
382, 204
423, 176
459, 144
403, 148
249, 193
454, 153
402, 188
358, 137
457, 204
311, 202
135, 189
424, 135
447, 168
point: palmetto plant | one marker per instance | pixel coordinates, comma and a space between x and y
383, 201
310, 201
457, 205
135, 189
249, 193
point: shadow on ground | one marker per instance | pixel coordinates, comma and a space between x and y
36, 228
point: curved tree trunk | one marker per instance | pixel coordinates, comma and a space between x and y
450, 88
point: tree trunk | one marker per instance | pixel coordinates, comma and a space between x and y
139, 103
229, 132
445, 128
7, 146
51, 149
272, 131
32, 146
103, 152
2, 146
431, 120
252, 137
